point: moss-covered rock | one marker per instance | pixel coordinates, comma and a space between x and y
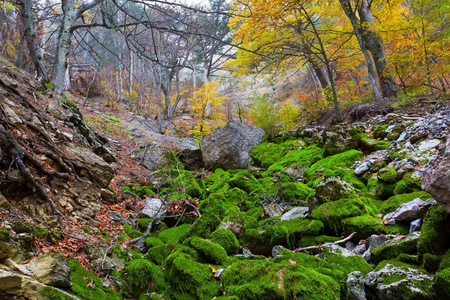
384, 190
266, 154
218, 205
369, 145
366, 225
394, 247
442, 284
435, 235
152, 241
379, 132
349, 263
333, 213
296, 191
431, 262
159, 254
244, 180
143, 223
393, 202
173, 235
143, 275
130, 232
388, 175
226, 239
408, 184
4, 234
304, 157
209, 251
340, 138
261, 240
203, 227
299, 227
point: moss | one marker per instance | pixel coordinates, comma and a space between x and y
4, 234
235, 195
384, 190
49, 293
369, 145
261, 240
445, 263
295, 191
255, 212
366, 225
142, 275
216, 204
390, 250
130, 232
173, 235
210, 251
226, 239
40, 232
86, 285
159, 254
217, 181
395, 263
189, 279
393, 278
434, 237
431, 262
244, 180
349, 263
302, 158
333, 213
270, 221
143, 223
379, 132
388, 175
275, 168
408, 258
266, 154
393, 202
299, 227
317, 240
407, 185
202, 227
152, 241
442, 284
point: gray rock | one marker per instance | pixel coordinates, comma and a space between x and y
408, 211
56, 110
436, 178
117, 217
415, 225
10, 283
404, 166
228, 147
332, 189
338, 138
153, 208
153, 157
336, 249
360, 249
296, 212
11, 115
102, 172
417, 284
234, 223
51, 269
272, 210
363, 168
355, 283
428, 144
375, 240
423, 210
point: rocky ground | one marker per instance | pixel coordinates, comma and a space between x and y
348, 211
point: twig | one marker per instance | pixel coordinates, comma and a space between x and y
325, 245
193, 206
76, 237
106, 253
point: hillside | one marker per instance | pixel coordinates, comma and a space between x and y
95, 205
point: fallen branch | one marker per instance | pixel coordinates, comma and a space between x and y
325, 245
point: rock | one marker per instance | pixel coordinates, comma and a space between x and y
339, 138
428, 145
424, 208
51, 269
355, 283
11, 115
153, 157
363, 168
228, 147
375, 240
415, 225
408, 211
10, 283
336, 249
393, 247
117, 217
107, 195
191, 159
394, 283
272, 210
296, 212
234, 223
153, 208
360, 249
102, 172
436, 178
332, 189
56, 110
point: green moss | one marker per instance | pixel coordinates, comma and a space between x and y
261, 240
143, 223
173, 235
235, 195
189, 279
299, 227
130, 232
302, 158
384, 190
442, 284
369, 145
379, 132
295, 191
218, 181
388, 175
212, 252
255, 212
390, 250
49, 293
152, 241
226, 239
395, 263
445, 263
333, 213
310, 240
275, 168
407, 185
49, 85
142, 275
393, 202
159, 254
244, 180
202, 227
4, 234
349, 263
431, 262
434, 237
366, 225
40, 232
86, 285
393, 278
266, 154
218, 205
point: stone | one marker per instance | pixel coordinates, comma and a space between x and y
355, 283
336, 249
296, 212
191, 159
332, 189
11, 115
153, 208
340, 138
56, 110
394, 283
436, 178
415, 225
117, 217
375, 240
424, 208
153, 157
107, 195
360, 249
51, 269
234, 223
408, 211
228, 147
271, 211
396, 246
428, 145
363, 168
10, 283
101, 171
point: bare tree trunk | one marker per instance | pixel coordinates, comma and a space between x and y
351, 14
325, 85
30, 36
375, 45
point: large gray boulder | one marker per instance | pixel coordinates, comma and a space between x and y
228, 147
153, 157
51, 269
355, 283
436, 178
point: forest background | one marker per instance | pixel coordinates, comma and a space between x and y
275, 63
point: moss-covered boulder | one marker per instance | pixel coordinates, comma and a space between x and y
442, 284
379, 132
435, 235
395, 246
173, 235
203, 227
226, 239
340, 138
349, 263
245, 181
143, 275
209, 251
407, 184
261, 240
295, 192
266, 154
219, 205
366, 225
393, 202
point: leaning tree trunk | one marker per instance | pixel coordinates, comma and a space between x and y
324, 84
70, 15
375, 45
346, 6
30, 36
